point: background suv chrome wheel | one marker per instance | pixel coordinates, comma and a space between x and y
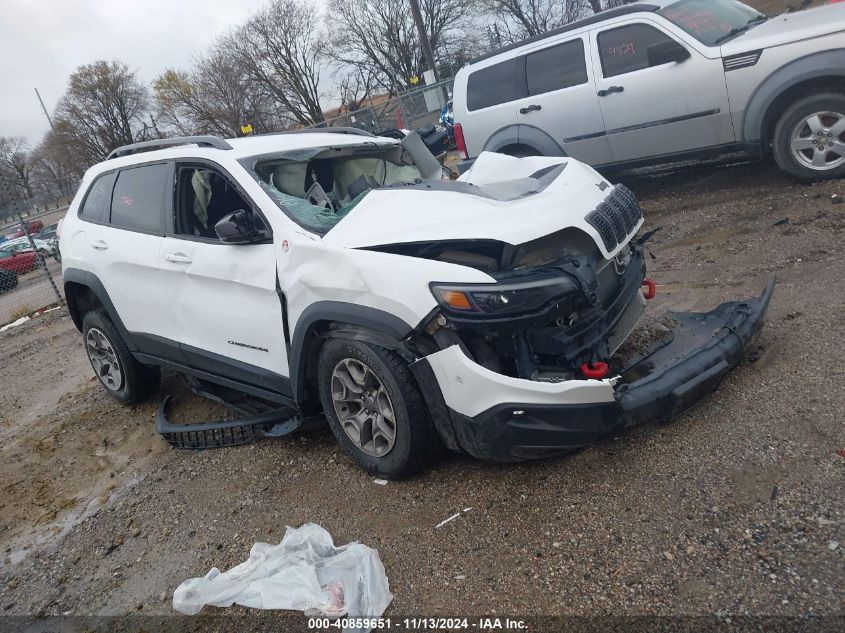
818, 143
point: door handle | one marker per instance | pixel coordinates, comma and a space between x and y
100, 245
611, 90
531, 108
178, 258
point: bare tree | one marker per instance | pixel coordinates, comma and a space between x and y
214, 97
378, 37
104, 107
54, 169
281, 52
16, 163
515, 20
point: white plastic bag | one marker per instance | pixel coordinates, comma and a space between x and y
305, 572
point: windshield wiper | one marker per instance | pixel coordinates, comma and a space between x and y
738, 30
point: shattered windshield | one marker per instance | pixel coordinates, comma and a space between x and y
317, 189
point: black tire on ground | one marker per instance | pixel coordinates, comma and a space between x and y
416, 440
787, 126
137, 381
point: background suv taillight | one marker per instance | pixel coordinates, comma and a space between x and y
460, 143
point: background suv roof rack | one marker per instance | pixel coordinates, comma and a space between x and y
327, 130
202, 141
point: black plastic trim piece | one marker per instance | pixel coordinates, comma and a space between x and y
742, 60
585, 137
660, 387
676, 119
93, 283
338, 311
273, 396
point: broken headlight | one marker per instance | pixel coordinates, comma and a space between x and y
505, 298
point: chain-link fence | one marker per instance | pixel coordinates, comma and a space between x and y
30, 262
411, 109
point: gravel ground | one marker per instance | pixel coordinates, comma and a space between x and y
735, 508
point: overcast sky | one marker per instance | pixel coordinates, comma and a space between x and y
43, 41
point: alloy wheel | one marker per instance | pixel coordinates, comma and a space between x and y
363, 407
104, 359
818, 142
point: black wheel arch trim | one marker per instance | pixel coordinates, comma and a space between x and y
521, 134
377, 325
814, 66
90, 281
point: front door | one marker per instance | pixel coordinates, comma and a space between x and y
223, 297
658, 110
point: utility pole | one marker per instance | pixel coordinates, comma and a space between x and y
41, 101
424, 41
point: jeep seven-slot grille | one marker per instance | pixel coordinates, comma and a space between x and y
616, 216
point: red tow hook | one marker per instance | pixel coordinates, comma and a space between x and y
596, 371
651, 293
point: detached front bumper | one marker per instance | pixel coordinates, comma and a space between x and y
496, 417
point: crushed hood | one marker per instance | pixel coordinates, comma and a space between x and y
497, 199
789, 28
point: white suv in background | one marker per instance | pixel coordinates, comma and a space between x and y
664, 81
338, 272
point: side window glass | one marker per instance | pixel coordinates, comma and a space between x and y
625, 49
139, 198
97, 198
492, 85
204, 197
556, 67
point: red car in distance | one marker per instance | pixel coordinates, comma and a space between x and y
18, 230
19, 262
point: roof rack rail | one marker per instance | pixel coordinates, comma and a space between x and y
327, 130
202, 141
598, 18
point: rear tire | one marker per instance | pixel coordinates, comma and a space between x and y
388, 448
809, 138
123, 377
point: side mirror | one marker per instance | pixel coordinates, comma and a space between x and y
239, 227
666, 52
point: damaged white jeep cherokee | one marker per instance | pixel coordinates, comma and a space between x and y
338, 272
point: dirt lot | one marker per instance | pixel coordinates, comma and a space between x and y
736, 508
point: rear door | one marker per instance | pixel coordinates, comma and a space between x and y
665, 109
128, 209
222, 297
562, 102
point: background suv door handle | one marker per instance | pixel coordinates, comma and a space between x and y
178, 258
100, 245
611, 90
531, 108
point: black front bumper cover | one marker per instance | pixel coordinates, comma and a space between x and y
661, 386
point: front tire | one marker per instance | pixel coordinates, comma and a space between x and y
375, 409
123, 377
809, 139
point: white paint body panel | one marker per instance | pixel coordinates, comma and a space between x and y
394, 216
471, 389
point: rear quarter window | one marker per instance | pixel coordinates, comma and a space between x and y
97, 198
139, 197
492, 86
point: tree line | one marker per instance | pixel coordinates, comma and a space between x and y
277, 70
